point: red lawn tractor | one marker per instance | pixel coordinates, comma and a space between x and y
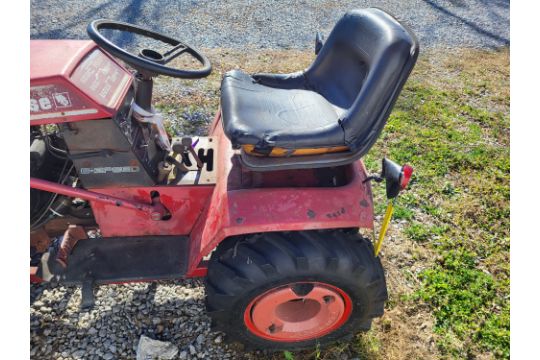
267, 207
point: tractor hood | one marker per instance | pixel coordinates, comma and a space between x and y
73, 80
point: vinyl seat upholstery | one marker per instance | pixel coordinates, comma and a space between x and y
342, 99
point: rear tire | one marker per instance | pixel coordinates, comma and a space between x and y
247, 273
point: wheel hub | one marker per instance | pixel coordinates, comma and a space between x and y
298, 311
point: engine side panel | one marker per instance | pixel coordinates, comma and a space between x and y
104, 157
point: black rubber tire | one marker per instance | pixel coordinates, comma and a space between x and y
242, 268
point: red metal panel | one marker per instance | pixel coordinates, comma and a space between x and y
185, 204
255, 210
50, 58
72, 80
200, 271
210, 214
34, 278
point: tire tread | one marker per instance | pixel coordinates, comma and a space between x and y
276, 257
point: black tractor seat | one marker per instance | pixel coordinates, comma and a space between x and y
331, 113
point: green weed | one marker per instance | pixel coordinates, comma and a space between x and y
288, 355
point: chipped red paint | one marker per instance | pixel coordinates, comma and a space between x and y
234, 211
185, 203
209, 214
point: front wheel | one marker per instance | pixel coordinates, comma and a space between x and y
290, 291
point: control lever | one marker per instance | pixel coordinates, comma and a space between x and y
184, 146
397, 178
180, 165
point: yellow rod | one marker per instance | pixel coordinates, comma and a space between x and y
384, 228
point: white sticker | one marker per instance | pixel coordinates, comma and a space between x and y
112, 169
62, 100
45, 103
34, 105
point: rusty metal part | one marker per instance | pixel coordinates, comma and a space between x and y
40, 240
57, 226
73, 234
179, 165
164, 170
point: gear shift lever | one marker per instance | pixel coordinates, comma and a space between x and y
184, 146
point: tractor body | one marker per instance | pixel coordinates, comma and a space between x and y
267, 207
206, 206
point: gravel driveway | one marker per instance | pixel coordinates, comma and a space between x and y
276, 24
174, 311
169, 311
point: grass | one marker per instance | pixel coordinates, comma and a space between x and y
447, 255
455, 132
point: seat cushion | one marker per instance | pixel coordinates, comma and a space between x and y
269, 117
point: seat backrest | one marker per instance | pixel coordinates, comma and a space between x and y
361, 69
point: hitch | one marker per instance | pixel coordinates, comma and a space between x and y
397, 178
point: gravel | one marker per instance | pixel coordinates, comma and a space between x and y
124, 313
276, 24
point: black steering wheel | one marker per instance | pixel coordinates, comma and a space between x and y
148, 61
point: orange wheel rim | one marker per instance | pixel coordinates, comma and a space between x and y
298, 311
